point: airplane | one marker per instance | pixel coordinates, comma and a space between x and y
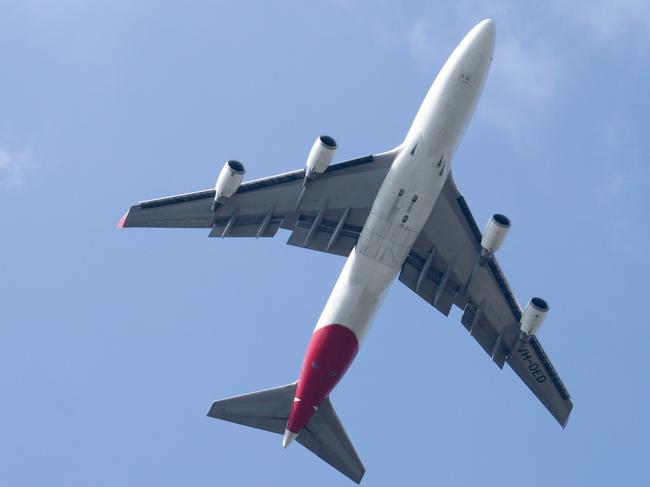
395, 212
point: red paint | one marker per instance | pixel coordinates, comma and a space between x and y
332, 348
120, 224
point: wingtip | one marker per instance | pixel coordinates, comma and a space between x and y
213, 412
122, 221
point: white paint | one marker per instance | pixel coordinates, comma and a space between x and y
229, 180
494, 234
533, 316
395, 219
320, 156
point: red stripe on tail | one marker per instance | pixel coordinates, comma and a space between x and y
329, 354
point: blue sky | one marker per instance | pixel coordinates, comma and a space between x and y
114, 343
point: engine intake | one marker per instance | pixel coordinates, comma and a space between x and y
533, 315
228, 182
320, 155
495, 233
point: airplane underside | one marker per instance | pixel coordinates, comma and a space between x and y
393, 214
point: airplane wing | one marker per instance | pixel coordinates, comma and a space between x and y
327, 214
438, 268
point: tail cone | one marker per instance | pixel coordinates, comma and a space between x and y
289, 436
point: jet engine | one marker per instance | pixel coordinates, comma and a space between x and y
495, 233
229, 180
533, 315
320, 156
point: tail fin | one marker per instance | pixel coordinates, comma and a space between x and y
269, 410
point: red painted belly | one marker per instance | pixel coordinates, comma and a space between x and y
329, 354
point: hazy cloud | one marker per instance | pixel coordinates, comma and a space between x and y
426, 48
480, 9
620, 184
523, 79
13, 166
609, 18
523, 76
526, 73
617, 175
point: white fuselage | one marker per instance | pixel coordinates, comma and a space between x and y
401, 208
412, 186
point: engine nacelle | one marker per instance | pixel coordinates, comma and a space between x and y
495, 233
533, 315
229, 180
320, 156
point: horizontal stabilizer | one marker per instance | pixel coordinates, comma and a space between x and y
269, 410
265, 410
325, 436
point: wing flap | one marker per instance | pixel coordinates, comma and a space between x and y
331, 234
476, 321
255, 226
428, 277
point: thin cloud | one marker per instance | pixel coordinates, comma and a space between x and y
13, 166
523, 76
609, 19
523, 79
495, 9
528, 74
427, 46
618, 176
620, 183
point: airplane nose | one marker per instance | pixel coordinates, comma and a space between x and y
487, 25
485, 33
